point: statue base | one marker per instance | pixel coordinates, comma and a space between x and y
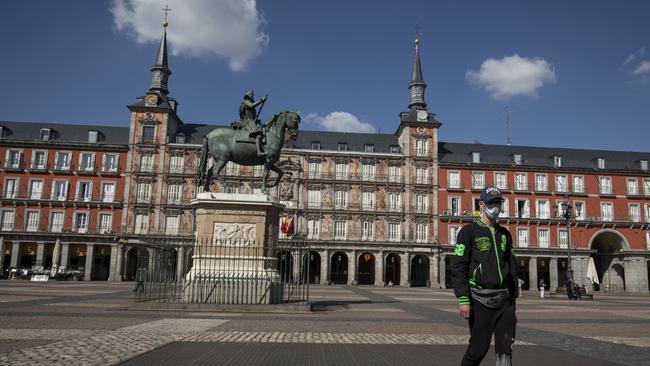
234, 255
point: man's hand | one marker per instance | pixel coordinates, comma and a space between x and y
464, 311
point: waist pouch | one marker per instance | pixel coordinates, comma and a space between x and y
493, 299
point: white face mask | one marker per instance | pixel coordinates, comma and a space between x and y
492, 210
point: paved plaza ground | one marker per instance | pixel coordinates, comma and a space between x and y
92, 323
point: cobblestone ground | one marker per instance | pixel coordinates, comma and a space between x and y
92, 323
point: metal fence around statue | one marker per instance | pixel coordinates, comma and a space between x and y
185, 273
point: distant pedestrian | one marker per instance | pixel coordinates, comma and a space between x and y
541, 288
568, 285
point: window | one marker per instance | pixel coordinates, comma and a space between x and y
517, 159
93, 136
635, 212
394, 201
583, 209
500, 180
644, 165
522, 237
578, 184
313, 228
180, 138
110, 163
313, 169
10, 187
14, 159
605, 185
543, 211
563, 238
81, 222
257, 171
601, 163
453, 234
476, 157
62, 161
342, 146
505, 208
31, 221
315, 145
7, 219
143, 192
606, 210
394, 173
232, 168
647, 239
367, 230
141, 223
39, 160
341, 199
87, 162
521, 181
56, 221
421, 232
146, 163
35, 189
647, 213
561, 183
632, 186
557, 161
454, 179
341, 170
60, 190
454, 206
421, 175
522, 208
174, 193
84, 191
171, 224
105, 223
421, 147
394, 149
542, 238
646, 187
148, 134
368, 200
394, 233
45, 134
369, 148
340, 230
478, 180
368, 171
313, 198
108, 192
541, 182
421, 202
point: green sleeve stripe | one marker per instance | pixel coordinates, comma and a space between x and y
463, 300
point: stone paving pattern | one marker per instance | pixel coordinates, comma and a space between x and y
92, 323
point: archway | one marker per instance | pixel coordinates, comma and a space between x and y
523, 272
77, 259
136, 257
311, 267
392, 275
339, 268
609, 263
419, 271
366, 269
6, 261
543, 272
101, 262
27, 255
285, 265
448, 283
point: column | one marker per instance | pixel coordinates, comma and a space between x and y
324, 267
433, 271
379, 269
405, 270
115, 263
442, 271
89, 261
579, 265
552, 268
63, 261
636, 275
40, 254
532, 274
15, 249
352, 268
297, 265
2, 255
179, 262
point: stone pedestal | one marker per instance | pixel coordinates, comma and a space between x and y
234, 256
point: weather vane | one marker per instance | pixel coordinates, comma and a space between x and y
417, 33
166, 9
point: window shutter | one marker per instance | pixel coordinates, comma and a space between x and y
92, 161
104, 163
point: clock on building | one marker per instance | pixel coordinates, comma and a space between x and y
423, 115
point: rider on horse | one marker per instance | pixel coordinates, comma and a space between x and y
249, 121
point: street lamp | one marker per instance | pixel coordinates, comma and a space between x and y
567, 214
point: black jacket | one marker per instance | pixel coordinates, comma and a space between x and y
483, 261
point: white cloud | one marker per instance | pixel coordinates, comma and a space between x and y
642, 68
225, 28
512, 76
634, 55
340, 122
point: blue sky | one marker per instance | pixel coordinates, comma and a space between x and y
572, 73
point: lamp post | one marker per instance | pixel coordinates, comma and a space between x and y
567, 215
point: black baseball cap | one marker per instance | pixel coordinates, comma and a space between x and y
491, 193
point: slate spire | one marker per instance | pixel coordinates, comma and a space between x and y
417, 85
160, 70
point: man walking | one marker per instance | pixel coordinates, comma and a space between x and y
542, 287
483, 274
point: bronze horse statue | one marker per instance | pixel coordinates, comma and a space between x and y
227, 144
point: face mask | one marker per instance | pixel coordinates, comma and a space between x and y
492, 210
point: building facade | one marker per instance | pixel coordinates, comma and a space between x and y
375, 209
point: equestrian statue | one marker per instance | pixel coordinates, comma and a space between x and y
248, 142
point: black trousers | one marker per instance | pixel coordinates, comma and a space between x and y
483, 322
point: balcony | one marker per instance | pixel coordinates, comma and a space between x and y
110, 170
455, 186
37, 167
542, 189
86, 170
606, 192
62, 168
522, 187
635, 193
179, 170
144, 169
13, 166
356, 178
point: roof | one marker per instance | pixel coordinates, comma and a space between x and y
109, 135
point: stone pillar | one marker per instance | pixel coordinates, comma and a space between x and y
297, 266
405, 270
63, 261
352, 268
636, 275
15, 249
532, 274
442, 271
552, 268
88, 267
115, 263
2, 255
40, 253
433, 271
579, 266
180, 253
324, 267
379, 269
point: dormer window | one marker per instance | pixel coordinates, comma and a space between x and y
369, 148
180, 138
315, 145
557, 161
601, 163
2, 132
394, 149
45, 134
476, 157
644, 165
343, 146
517, 159
93, 136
